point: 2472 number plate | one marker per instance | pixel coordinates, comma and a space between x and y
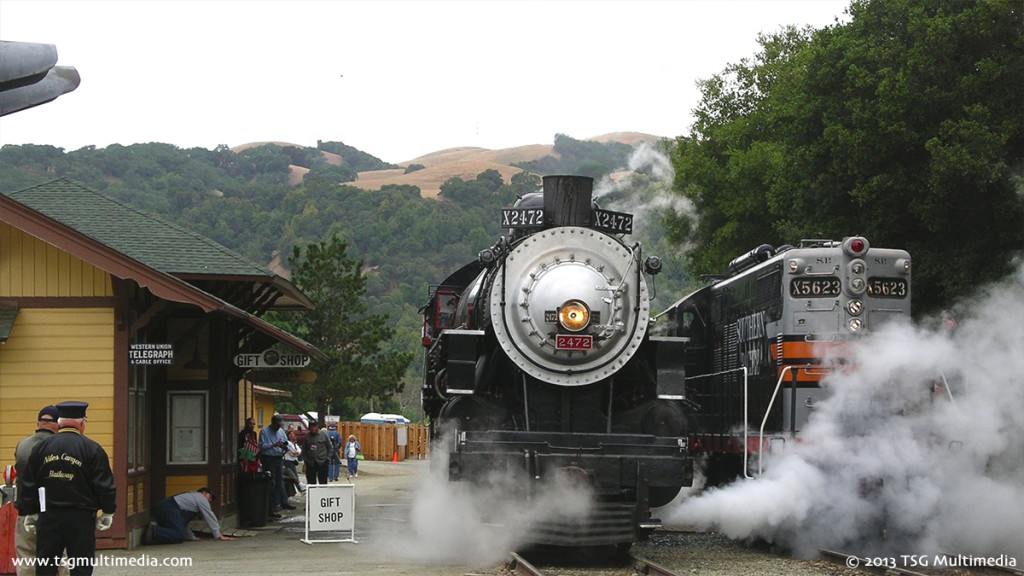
574, 342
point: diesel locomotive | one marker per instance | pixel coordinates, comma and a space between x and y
540, 367
760, 338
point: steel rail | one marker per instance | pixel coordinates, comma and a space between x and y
648, 568
518, 565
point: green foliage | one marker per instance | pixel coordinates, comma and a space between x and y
357, 160
356, 342
488, 188
331, 173
582, 158
902, 125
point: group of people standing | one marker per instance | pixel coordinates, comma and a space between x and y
276, 451
323, 452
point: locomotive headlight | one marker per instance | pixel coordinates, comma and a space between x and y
855, 324
574, 315
855, 307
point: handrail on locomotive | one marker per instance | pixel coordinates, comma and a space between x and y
808, 369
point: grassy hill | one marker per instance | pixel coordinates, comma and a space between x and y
467, 162
463, 162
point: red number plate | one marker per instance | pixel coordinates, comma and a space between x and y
572, 342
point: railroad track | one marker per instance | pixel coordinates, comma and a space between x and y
521, 567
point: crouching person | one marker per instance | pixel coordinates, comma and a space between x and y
172, 515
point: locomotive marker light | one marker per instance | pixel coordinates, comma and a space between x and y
855, 246
652, 265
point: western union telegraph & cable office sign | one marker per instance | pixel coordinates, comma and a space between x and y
146, 354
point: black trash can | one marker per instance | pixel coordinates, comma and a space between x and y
253, 499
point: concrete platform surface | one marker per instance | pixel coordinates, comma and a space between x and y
387, 540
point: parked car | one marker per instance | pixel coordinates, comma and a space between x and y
297, 422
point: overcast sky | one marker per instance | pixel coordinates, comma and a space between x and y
394, 79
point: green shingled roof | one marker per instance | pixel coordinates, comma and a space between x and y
152, 241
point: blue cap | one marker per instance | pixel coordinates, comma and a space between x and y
72, 409
50, 411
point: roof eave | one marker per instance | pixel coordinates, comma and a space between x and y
101, 256
121, 266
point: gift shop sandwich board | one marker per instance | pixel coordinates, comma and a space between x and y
331, 508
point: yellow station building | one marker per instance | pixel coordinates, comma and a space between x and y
143, 320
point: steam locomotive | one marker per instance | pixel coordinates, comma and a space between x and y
541, 366
760, 339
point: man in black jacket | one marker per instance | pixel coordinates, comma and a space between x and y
318, 449
67, 480
46, 426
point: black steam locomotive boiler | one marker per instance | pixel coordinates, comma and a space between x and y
540, 366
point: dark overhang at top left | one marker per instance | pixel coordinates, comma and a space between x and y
29, 76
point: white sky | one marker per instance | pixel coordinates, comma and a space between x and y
394, 79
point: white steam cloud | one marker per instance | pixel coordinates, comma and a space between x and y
649, 185
470, 524
918, 450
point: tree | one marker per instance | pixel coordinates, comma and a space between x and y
902, 125
356, 342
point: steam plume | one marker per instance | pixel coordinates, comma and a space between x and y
649, 187
478, 524
918, 450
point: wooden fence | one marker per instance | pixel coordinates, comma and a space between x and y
380, 441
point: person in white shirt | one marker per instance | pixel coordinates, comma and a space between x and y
291, 464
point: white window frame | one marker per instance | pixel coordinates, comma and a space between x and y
178, 427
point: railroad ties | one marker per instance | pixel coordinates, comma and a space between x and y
521, 567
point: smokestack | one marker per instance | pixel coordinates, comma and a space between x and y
568, 200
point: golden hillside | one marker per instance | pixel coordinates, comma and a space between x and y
463, 162
468, 162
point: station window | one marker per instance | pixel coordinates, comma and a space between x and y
186, 421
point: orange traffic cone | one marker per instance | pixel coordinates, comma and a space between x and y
395, 457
